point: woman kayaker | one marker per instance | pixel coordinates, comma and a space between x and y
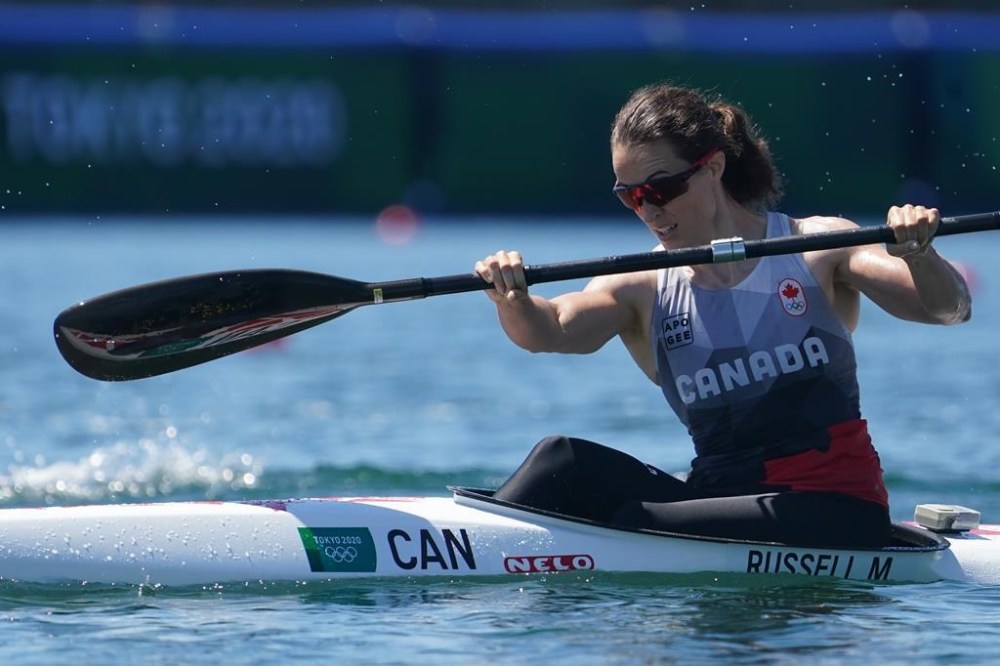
755, 357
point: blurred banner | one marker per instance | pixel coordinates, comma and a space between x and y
140, 108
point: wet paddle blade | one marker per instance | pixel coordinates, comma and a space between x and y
164, 326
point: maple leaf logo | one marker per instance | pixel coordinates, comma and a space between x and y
793, 299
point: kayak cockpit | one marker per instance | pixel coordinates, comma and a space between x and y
904, 538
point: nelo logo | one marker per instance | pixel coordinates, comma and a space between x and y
548, 563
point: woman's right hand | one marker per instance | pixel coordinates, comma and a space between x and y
505, 271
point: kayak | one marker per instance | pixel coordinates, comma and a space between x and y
466, 535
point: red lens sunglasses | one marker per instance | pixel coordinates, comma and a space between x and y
658, 190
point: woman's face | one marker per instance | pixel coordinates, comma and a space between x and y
670, 208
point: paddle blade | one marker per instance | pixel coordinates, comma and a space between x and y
164, 326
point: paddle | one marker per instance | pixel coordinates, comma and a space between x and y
165, 326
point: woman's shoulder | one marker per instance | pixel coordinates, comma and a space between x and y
826, 264
624, 284
819, 223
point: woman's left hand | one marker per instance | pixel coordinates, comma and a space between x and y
915, 227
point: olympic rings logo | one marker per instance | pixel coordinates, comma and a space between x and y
341, 554
794, 306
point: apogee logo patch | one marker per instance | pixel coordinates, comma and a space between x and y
677, 331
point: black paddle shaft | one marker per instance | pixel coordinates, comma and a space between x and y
165, 326
719, 252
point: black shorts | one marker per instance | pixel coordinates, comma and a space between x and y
579, 478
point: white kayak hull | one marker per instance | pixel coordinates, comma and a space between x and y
197, 543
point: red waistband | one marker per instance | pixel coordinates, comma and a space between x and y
850, 466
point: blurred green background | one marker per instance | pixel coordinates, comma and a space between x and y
468, 108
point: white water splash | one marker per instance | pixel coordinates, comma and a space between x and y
124, 471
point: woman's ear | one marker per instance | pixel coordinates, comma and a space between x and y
716, 164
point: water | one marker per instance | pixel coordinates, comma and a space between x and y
405, 398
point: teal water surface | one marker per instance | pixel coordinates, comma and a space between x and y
407, 398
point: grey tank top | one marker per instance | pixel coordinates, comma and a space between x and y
756, 372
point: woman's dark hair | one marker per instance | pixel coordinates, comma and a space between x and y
694, 125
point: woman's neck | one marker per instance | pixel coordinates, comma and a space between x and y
731, 220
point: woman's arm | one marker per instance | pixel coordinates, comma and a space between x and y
909, 279
578, 322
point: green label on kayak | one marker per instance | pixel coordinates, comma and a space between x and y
339, 549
